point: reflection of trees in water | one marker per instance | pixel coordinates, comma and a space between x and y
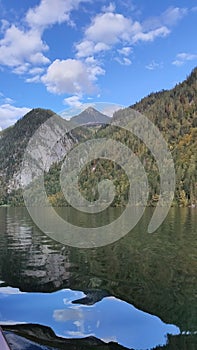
156, 273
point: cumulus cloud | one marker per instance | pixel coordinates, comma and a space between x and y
105, 31
49, 12
109, 30
70, 76
87, 48
18, 47
151, 35
183, 57
9, 114
24, 50
73, 101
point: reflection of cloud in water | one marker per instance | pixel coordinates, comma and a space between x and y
109, 339
78, 318
115, 320
10, 323
77, 334
68, 315
5, 291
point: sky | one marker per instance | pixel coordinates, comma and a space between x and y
60, 54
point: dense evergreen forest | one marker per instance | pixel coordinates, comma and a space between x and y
173, 111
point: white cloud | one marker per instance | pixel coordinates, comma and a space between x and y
9, 114
124, 61
21, 69
183, 57
73, 101
154, 65
24, 50
87, 48
109, 339
49, 12
19, 47
168, 19
110, 8
9, 100
4, 25
186, 56
70, 76
36, 70
77, 334
110, 108
172, 15
94, 71
151, 35
110, 30
125, 51
177, 63
9, 291
35, 79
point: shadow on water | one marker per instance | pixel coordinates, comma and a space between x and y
131, 280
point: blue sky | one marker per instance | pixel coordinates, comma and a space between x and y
58, 54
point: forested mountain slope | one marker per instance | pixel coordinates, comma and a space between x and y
174, 112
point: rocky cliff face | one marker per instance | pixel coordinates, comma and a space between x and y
41, 135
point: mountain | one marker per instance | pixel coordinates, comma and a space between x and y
13, 143
173, 111
91, 116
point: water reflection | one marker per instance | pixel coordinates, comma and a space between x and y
156, 273
109, 320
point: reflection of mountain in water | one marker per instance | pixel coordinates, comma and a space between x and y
92, 297
30, 336
156, 273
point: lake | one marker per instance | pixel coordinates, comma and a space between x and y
139, 292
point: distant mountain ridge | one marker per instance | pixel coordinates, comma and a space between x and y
91, 116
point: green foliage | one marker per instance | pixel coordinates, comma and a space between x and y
174, 112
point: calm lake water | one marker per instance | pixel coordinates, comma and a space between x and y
136, 291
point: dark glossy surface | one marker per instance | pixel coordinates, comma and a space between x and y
133, 292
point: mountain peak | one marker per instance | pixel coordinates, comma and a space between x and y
91, 116
90, 110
